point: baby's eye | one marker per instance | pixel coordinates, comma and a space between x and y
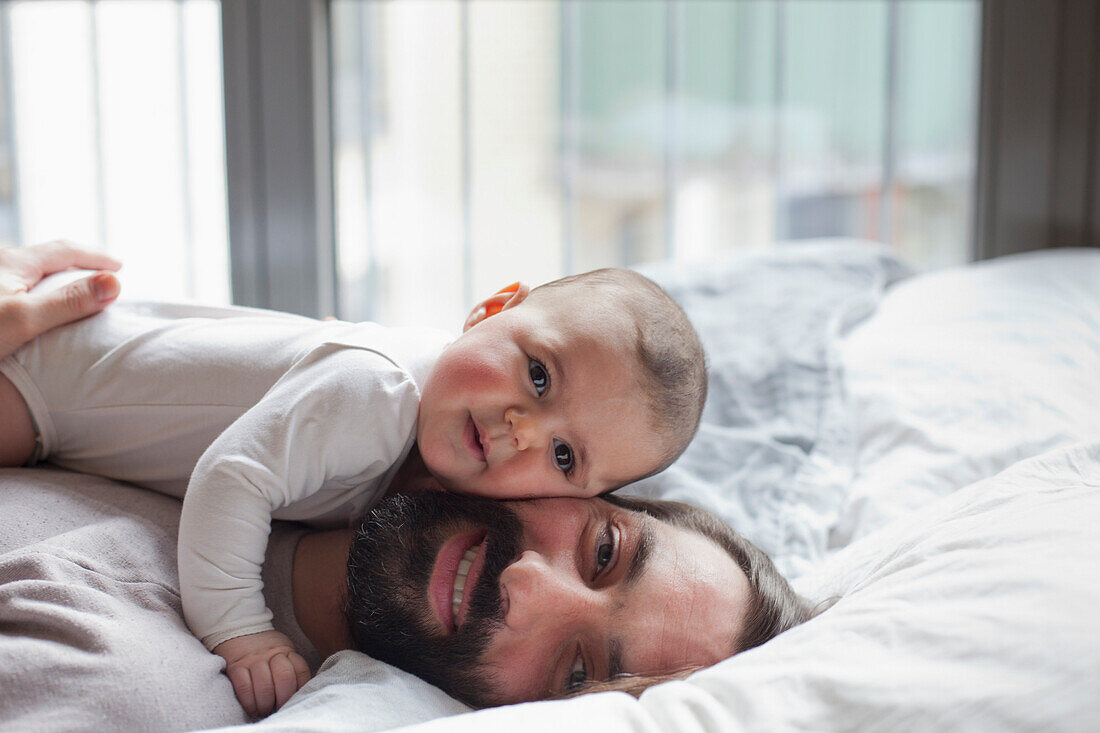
539, 376
563, 456
577, 675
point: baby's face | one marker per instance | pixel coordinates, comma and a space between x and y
539, 400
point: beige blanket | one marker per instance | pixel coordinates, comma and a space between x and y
91, 631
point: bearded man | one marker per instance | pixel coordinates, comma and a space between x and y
504, 602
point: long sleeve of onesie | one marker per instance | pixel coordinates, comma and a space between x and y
340, 418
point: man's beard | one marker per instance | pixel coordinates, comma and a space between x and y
389, 569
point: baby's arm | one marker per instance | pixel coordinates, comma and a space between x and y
339, 417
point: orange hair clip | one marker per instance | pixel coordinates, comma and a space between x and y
493, 308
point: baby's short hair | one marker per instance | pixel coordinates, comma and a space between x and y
670, 357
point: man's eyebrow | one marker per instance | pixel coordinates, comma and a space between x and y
614, 658
640, 558
638, 563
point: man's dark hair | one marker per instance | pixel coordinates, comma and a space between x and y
773, 608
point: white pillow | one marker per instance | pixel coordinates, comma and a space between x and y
979, 612
964, 372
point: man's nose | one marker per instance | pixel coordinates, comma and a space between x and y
527, 429
540, 594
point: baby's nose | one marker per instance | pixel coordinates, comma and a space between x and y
526, 429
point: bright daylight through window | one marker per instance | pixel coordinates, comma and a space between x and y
498, 140
118, 155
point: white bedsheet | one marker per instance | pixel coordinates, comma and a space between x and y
977, 612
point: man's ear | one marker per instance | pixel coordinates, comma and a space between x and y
503, 299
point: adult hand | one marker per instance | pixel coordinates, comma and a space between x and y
264, 669
25, 315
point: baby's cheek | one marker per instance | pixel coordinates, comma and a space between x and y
474, 364
489, 380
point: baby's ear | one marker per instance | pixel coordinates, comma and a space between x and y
503, 299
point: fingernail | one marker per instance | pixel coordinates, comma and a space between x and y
105, 286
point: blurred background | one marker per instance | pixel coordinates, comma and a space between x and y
396, 160
112, 135
554, 137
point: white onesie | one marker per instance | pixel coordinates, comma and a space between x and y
254, 414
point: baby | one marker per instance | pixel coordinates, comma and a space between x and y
574, 388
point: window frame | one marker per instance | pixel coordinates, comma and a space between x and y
1038, 175
279, 155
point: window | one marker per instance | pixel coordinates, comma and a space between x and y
476, 142
111, 134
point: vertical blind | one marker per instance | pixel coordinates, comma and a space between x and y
480, 142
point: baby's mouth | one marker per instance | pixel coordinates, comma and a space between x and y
471, 436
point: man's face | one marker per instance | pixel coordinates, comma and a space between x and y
550, 594
543, 395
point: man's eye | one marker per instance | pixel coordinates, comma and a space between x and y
603, 555
539, 377
577, 675
563, 456
605, 548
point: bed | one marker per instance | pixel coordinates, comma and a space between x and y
920, 451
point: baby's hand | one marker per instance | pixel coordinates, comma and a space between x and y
264, 669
